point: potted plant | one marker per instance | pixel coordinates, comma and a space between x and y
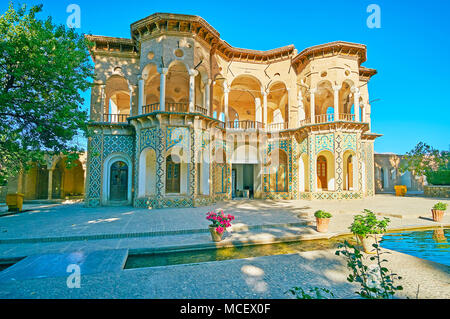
322, 220
438, 211
219, 224
400, 190
369, 230
14, 202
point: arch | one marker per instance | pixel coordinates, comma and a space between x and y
303, 170
350, 171
109, 161
325, 171
324, 97
117, 95
278, 171
147, 173
277, 103
152, 80
177, 86
245, 90
220, 171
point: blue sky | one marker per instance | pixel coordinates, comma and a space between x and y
411, 50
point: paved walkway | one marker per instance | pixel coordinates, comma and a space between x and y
50, 228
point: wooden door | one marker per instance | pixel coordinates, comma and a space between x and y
322, 173
172, 176
350, 172
119, 181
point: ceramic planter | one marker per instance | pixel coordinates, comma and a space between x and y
14, 202
215, 235
437, 214
322, 224
400, 190
368, 241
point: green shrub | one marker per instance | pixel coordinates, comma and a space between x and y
440, 206
368, 224
322, 214
441, 177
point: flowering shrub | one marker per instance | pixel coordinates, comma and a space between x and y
220, 221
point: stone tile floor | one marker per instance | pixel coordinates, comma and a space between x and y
293, 218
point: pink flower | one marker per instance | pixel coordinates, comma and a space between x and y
219, 230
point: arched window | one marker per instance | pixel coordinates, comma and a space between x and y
172, 175
330, 114
278, 173
119, 181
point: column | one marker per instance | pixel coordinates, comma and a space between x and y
162, 89
288, 111
356, 95
336, 89
50, 183
301, 109
312, 105
264, 93
141, 95
192, 74
363, 115
208, 97
102, 102
131, 88
258, 113
226, 90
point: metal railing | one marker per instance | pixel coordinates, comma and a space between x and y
115, 118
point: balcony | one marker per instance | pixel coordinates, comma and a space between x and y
273, 127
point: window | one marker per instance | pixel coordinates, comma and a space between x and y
172, 175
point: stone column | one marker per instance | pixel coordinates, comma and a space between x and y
312, 105
208, 97
288, 111
162, 89
226, 90
141, 95
264, 93
336, 89
301, 109
50, 183
258, 113
192, 74
102, 101
356, 95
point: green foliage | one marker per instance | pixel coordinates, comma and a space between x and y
322, 214
318, 293
424, 158
440, 177
440, 206
376, 282
43, 70
368, 224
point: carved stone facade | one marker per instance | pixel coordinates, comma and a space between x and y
180, 118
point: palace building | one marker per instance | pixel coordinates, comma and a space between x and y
180, 118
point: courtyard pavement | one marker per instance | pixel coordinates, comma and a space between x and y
69, 228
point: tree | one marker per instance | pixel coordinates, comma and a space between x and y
43, 70
423, 159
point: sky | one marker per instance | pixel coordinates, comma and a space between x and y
411, 50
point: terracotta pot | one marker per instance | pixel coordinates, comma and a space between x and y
214, 234
437, 215
322, 224
368, 241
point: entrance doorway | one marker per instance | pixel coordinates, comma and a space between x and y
119, 182
243, 180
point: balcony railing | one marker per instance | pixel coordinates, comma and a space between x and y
276, 127
150, 108
244, 125
177, 107
200, 109
115, 118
